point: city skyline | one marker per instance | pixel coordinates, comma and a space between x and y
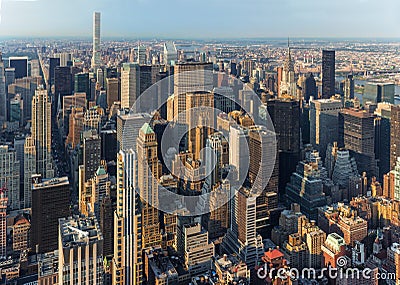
257, 19
199, 161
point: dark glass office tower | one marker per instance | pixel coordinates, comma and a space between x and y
328, 73
311, 88
54, 62
285, 115
50, 202
62, 84
357, 134
81, 84
394, 137
21, 66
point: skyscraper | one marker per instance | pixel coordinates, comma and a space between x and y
224, 99
190, 77
50, 202
261, 149
3, 223
10, 76
242, 237
81, 84
107, 225
96, 58
76, 122
141, 55
311, 88
393, 254
62, 83
344, 167
238, 150
53, 63
3, 93
397, 180
199, 120
328, 73
148, 174
19, 142
315, 238
394, 135
383, 137
41, 132
306, 186
91, 154
128, 126
264, 162
349, 87
288, 84
26, 87
65, 59
93, 192
285, 115
324, 123
20, 64
377, 92
35, 68
20, 235
130, 84
100, 77
80, 248
9, 175
29, 169
217, 221
113, 87
127, 261
198, 250
170, 53
357, 134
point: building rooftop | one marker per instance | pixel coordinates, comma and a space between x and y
229, 263
146, 129
160, 264
127, 115
334, 242
79, 230
357, 113
274, 254
101, 171
48, 263
47, 183
326, 101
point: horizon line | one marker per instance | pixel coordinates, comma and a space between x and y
199, 38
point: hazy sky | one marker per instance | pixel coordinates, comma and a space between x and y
203, 18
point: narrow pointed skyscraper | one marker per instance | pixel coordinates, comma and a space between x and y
3, 99
96, 59
288, 84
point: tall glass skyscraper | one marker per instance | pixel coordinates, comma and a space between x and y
96, 59
328, 73
3, 108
